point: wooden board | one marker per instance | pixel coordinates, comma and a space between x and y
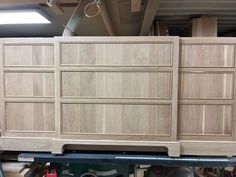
134, 93
204, 27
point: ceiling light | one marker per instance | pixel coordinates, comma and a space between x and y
22, 17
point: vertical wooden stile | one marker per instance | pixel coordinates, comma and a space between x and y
175, 89
57, 87
2, 101
234, 99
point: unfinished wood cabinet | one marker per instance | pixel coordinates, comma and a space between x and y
206, 89
73, 89
28, 89
119, 88
119, 93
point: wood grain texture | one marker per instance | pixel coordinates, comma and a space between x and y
116, 119
30, 116
2, 104
204, 55
205, 119
29, 84
116, 54
204, 27
200, 85
117, 84
29, 55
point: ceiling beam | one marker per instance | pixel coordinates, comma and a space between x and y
198, 1
149, 15
106, 19
36, 1
135, 5
57, 9
177, 12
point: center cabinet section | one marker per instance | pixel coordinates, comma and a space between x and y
119, 88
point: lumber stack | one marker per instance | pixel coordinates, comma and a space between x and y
16, 169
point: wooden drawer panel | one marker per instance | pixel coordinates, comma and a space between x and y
117, 84
30, 117
29, 84
206, 85
117, 54
207, 55
205, 119
116, 119
28, 55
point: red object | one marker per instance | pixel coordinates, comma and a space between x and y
51, 172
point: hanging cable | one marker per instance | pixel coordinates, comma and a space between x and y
95, 2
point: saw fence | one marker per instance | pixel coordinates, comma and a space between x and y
148, 93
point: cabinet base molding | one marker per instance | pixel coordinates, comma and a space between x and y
174, 149
57, 146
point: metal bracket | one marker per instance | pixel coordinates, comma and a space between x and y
1, 170
51, 2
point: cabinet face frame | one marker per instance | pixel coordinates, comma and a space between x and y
171, 44
207, 144
210, 47
173, 68
34, 69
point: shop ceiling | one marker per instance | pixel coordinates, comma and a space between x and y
122, 17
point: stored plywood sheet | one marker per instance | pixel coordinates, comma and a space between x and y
25, 117
28, 55
116, 119
29, 84
117, 54
117, 84
204, 27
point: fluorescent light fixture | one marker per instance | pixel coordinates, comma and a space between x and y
22, 17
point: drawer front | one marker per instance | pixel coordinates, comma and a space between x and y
117, 54
117, 84
28, 55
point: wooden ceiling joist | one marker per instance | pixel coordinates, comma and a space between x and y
36, 1
149, 15
135, 5
106, 19
57, 9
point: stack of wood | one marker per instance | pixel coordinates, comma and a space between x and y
159, 28
16, 169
